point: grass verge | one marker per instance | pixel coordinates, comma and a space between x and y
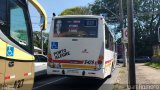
153, 64
121, 71
121, 81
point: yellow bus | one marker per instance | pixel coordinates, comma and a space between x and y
16, 47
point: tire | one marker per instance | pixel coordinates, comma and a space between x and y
112, 69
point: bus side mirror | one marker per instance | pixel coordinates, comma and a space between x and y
42, 23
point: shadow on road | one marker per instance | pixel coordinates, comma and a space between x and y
73, 83
54, 82
81, 84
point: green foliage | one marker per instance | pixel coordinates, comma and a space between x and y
76, 11
37, 40
146, 20
146, 25
148, 63
107, 8
153, 64
102, 6
110, 8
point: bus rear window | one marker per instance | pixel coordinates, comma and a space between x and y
76, 27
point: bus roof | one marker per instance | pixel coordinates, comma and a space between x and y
69, 16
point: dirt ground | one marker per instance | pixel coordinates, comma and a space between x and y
147, 78
147, 75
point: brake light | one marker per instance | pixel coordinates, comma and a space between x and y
99, 62
49, 55
49, 58
100, 59
50, 61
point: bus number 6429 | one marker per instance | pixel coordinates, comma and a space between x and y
89, 62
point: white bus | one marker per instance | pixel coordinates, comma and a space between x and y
81, 45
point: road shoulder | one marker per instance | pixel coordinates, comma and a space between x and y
109, 83
146, 77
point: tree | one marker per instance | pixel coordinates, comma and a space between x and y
108, 7
146, 20
110, 10
37, 40
77, 11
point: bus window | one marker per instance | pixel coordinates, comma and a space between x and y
18, 24
3, 16
76, 27
106, 37
110, 42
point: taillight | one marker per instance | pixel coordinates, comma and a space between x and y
100, 59
99, 62
49, 58
50, 61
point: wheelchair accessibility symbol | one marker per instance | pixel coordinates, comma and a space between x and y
54, 45
10, 51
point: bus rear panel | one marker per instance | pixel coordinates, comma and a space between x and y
76, 47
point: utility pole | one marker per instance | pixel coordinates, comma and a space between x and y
121, 13
131, 46
122, 27
159, 34
41, 42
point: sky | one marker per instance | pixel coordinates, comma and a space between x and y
56, 6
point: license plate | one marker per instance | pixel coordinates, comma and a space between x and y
72, 71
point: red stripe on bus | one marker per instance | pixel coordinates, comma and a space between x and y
7, 77
26, 74
108, 61
68, 61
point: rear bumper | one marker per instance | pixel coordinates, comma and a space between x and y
77, 72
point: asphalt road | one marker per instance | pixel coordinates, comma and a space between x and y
72, 83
